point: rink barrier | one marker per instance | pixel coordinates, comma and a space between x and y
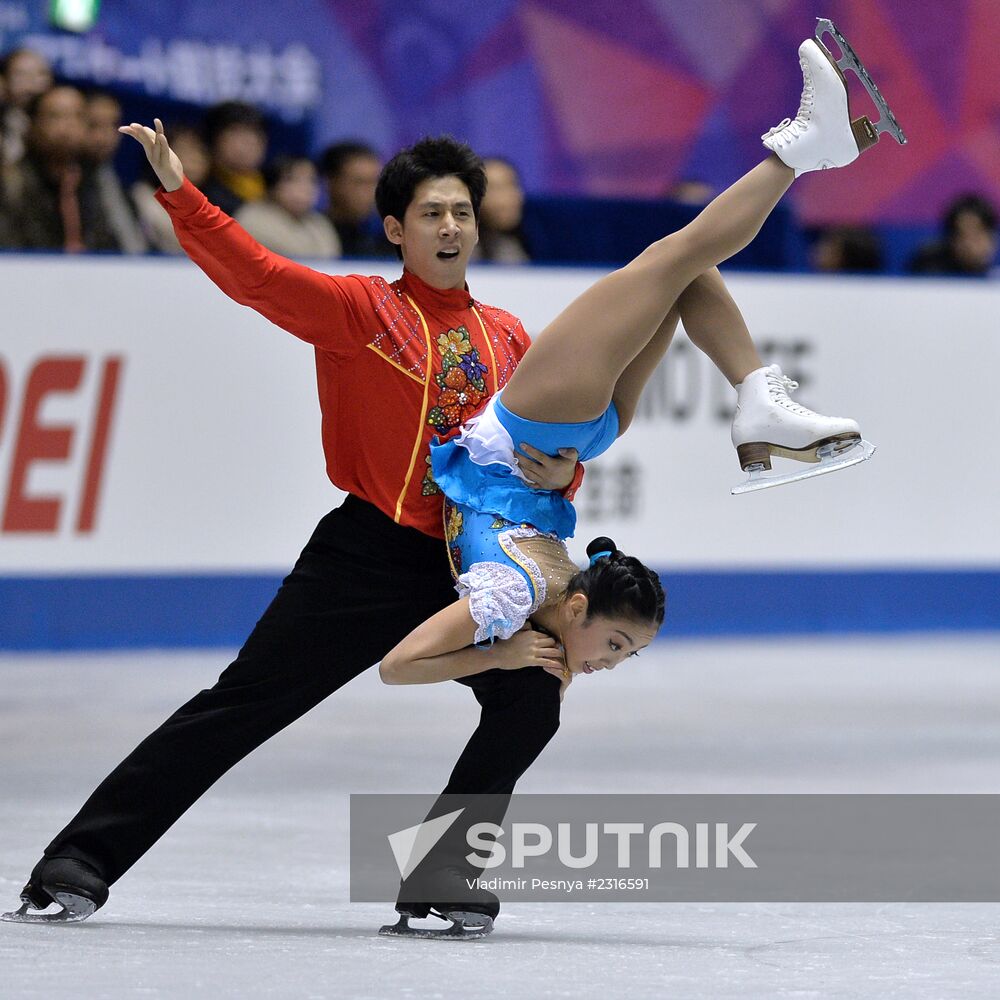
136, 612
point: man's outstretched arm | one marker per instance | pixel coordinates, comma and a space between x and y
331, 313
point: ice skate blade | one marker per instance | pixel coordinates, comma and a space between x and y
758, 480
74, 909
465, 926
849, 60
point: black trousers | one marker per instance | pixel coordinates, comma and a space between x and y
361, 584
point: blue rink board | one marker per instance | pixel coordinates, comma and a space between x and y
104, 612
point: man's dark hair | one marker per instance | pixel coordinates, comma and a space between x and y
975, 204
331, 161
221, 116
444, 156
440, 157
99, 93
36, 102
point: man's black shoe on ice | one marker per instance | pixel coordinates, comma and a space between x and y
71, 885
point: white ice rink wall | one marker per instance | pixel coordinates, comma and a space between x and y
161, 466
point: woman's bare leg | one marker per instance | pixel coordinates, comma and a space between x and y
640, 369
713, 323
571, 371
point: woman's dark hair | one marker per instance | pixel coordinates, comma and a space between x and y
219, 117
619, 586
334, 158
440, 157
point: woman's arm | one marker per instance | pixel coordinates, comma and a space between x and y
441, 650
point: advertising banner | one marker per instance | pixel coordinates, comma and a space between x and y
150, 427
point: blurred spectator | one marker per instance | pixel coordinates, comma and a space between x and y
350, 172
24, 74
104, 115
969, 244
501, 237
846, 249
50, 197
286, 220
187, 143
691, 192
237, 144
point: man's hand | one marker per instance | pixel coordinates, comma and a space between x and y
545, 472
528, 648
162, 158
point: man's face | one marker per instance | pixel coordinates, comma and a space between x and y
437, 233
59, 129
974, 243
103, 118
27, 76
352, 190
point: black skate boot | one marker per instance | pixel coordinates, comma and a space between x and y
70, 884
471, 917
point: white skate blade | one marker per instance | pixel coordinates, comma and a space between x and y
74, 909
849, 60
760, 480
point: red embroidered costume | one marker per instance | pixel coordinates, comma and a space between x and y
396, 363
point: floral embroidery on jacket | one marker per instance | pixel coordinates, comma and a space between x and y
427, 485
461, 381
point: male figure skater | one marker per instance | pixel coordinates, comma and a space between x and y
397, 363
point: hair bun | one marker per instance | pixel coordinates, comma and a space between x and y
601, 547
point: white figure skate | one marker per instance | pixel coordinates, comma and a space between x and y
769, 422
822, 134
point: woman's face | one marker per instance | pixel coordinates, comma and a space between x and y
600, 643
298, 190
503, 204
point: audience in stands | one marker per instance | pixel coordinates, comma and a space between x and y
60, 191
846, 250
501, 215
969, 241
286, 220
190, 148
104, 115
237, 144
50, 199
24, 75
350, 172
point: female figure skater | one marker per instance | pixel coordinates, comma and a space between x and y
578, 386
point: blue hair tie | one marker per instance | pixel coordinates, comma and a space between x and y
599, 555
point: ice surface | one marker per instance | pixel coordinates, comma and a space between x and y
247, 895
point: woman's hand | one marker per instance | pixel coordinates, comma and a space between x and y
528, 648
545, 472
162, 158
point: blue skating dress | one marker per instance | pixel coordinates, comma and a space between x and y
491, 512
